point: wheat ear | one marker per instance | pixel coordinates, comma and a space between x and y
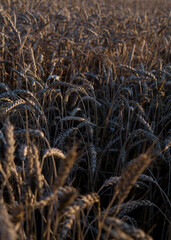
130, 176
65, 168
7, 229
126, 182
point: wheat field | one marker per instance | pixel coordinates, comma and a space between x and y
85, 120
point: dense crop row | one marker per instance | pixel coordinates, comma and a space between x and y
85, 129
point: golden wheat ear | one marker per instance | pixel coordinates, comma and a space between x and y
9, 147
7, 228
65, 167
125, 183
130, 176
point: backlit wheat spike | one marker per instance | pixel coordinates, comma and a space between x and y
130, 176
7, 228
66, 195
132, 54
71, 214
65, 168
4, 99
116, 233
128, 229
74, 111
114, 71
88, 200
10, 193
55, 152
37, 171
52, 152
12, 106
10, 147
72, 211
29, 163
65, 190
33, 60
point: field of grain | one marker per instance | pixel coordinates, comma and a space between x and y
85, 120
